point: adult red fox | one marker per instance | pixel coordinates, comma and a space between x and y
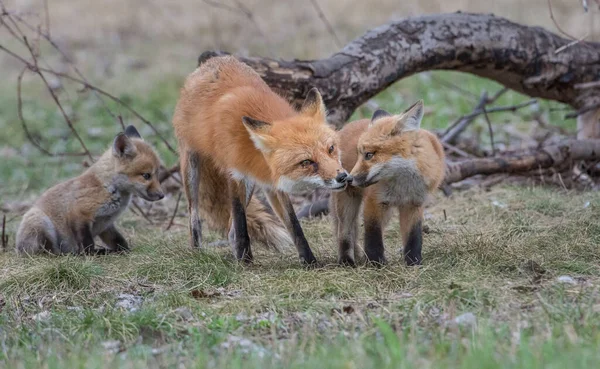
235, 133
67, 217
395, 165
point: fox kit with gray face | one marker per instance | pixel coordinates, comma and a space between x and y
67, 217
395, 164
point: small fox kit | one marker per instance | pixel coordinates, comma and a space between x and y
395, 165
234, 133
67, 217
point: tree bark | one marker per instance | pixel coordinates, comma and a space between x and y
550, 156
519, 57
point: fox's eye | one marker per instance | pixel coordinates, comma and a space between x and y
306, 162
369, 155
331, 149
147, 176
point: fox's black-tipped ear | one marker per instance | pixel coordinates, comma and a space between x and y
123, 147
130, 131
259, 133
255, 124
413, 116
313, 104
380, 113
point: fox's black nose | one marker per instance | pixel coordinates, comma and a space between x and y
342, 177
160, 195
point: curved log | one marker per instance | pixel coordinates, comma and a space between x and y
522, 58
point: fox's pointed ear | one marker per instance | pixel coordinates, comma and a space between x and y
259, 133
413, 116
130, 131
313, 104
123, 146
379, 113
410, 120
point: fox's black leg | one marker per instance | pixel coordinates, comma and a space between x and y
411, 220
190, 168
114, 240
238, 236
85, 239
282, 205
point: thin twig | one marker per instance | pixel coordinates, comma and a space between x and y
454, 87
457, 151
556, 23
47, 13
28, 134
336, 40
57, 101
489, 123
142, 213
240, 8
572, 43
4, 236
586, 85
174, 212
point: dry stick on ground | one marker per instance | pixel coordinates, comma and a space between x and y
525, 161
519, 57
489, 124
174, 212
4, 236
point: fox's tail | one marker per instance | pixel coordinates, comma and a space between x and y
263, 226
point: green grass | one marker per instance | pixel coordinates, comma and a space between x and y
164, 304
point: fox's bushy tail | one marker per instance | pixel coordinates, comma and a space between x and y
264, 227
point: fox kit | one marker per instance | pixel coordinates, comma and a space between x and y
395, 165
234, 134
67, 217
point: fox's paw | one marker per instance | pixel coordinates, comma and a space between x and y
378, 261
346, 261
308, 260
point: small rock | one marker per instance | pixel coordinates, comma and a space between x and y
466, 320
244, 345
128, 302
112, 346
42, 317
566, 279
184, 313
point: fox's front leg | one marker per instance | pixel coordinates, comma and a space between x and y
345, 206
238, 235
114, 240
282, 205
375, 217
84, 238
411, 221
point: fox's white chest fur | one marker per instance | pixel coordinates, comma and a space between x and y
111, 210
403, 184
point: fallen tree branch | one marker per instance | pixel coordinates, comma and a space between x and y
520, 162
519, 57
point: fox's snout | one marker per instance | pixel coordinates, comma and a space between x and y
343, 177
155, 196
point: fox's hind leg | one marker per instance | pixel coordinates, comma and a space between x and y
411, 220
282, 205
345, 206
36, 234
190, 170
240, 195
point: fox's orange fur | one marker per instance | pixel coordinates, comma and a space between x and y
234, 133
67, 217
394, 165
